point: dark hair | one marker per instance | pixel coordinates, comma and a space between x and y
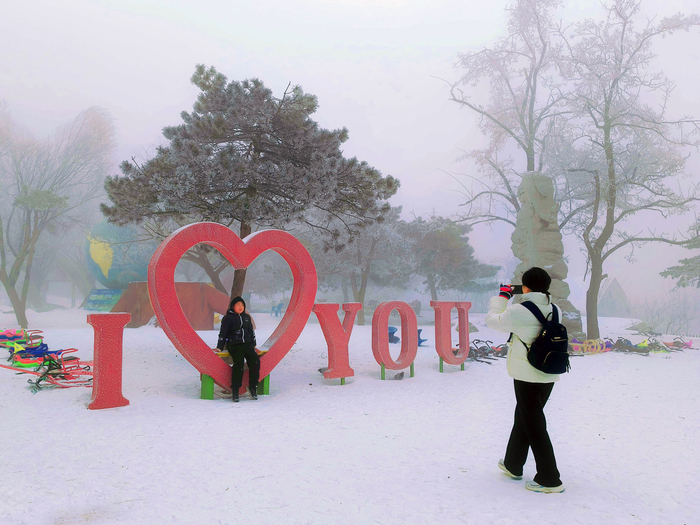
537, 280
237, 299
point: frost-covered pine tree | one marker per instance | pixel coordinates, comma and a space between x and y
246, 158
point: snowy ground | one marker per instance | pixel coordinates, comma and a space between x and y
421, 450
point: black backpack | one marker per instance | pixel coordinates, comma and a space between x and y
549, 353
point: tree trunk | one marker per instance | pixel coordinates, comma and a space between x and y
24, 257
346, 295
358, 294
27, 275
203, 262
239, 274
592, 328
216, 281
20, 313
595, 249
9, 281
530, 155
433, 289
36, 299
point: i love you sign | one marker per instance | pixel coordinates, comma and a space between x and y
240, 253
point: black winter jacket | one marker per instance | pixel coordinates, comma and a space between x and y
236, 329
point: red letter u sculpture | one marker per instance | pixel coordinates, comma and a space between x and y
380, 335
443, 330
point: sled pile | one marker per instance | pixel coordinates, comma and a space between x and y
29, 354
650, 345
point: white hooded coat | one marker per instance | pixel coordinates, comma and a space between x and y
525, 328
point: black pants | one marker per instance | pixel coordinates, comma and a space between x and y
530, 431
238, 353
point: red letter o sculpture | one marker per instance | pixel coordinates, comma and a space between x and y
380, 335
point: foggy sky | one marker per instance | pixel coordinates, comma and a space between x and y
372, 65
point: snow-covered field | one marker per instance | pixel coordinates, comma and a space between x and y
421, 450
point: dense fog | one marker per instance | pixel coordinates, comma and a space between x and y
95, 83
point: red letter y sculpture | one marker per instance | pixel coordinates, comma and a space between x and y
337, 337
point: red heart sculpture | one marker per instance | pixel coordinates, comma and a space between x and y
161, 289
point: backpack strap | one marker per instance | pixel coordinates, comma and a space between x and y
539, 316
534, 310
538, 313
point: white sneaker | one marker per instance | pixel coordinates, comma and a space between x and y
507, 472
536, 487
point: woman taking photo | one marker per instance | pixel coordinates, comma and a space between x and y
532, 387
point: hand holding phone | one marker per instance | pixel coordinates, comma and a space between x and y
506, 291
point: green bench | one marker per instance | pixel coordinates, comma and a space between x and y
207, 386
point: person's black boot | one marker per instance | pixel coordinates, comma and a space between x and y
234, 397
253, 392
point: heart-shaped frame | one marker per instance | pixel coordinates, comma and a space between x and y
161, 289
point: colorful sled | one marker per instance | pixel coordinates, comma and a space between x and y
22, 360
21, 336
62, 371
679, 344
589, 347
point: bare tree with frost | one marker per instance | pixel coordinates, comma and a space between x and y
46, 184
383, 254
620, 155
525, 97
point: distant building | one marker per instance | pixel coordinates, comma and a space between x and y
613, 302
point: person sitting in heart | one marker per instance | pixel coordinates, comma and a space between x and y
237, 336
